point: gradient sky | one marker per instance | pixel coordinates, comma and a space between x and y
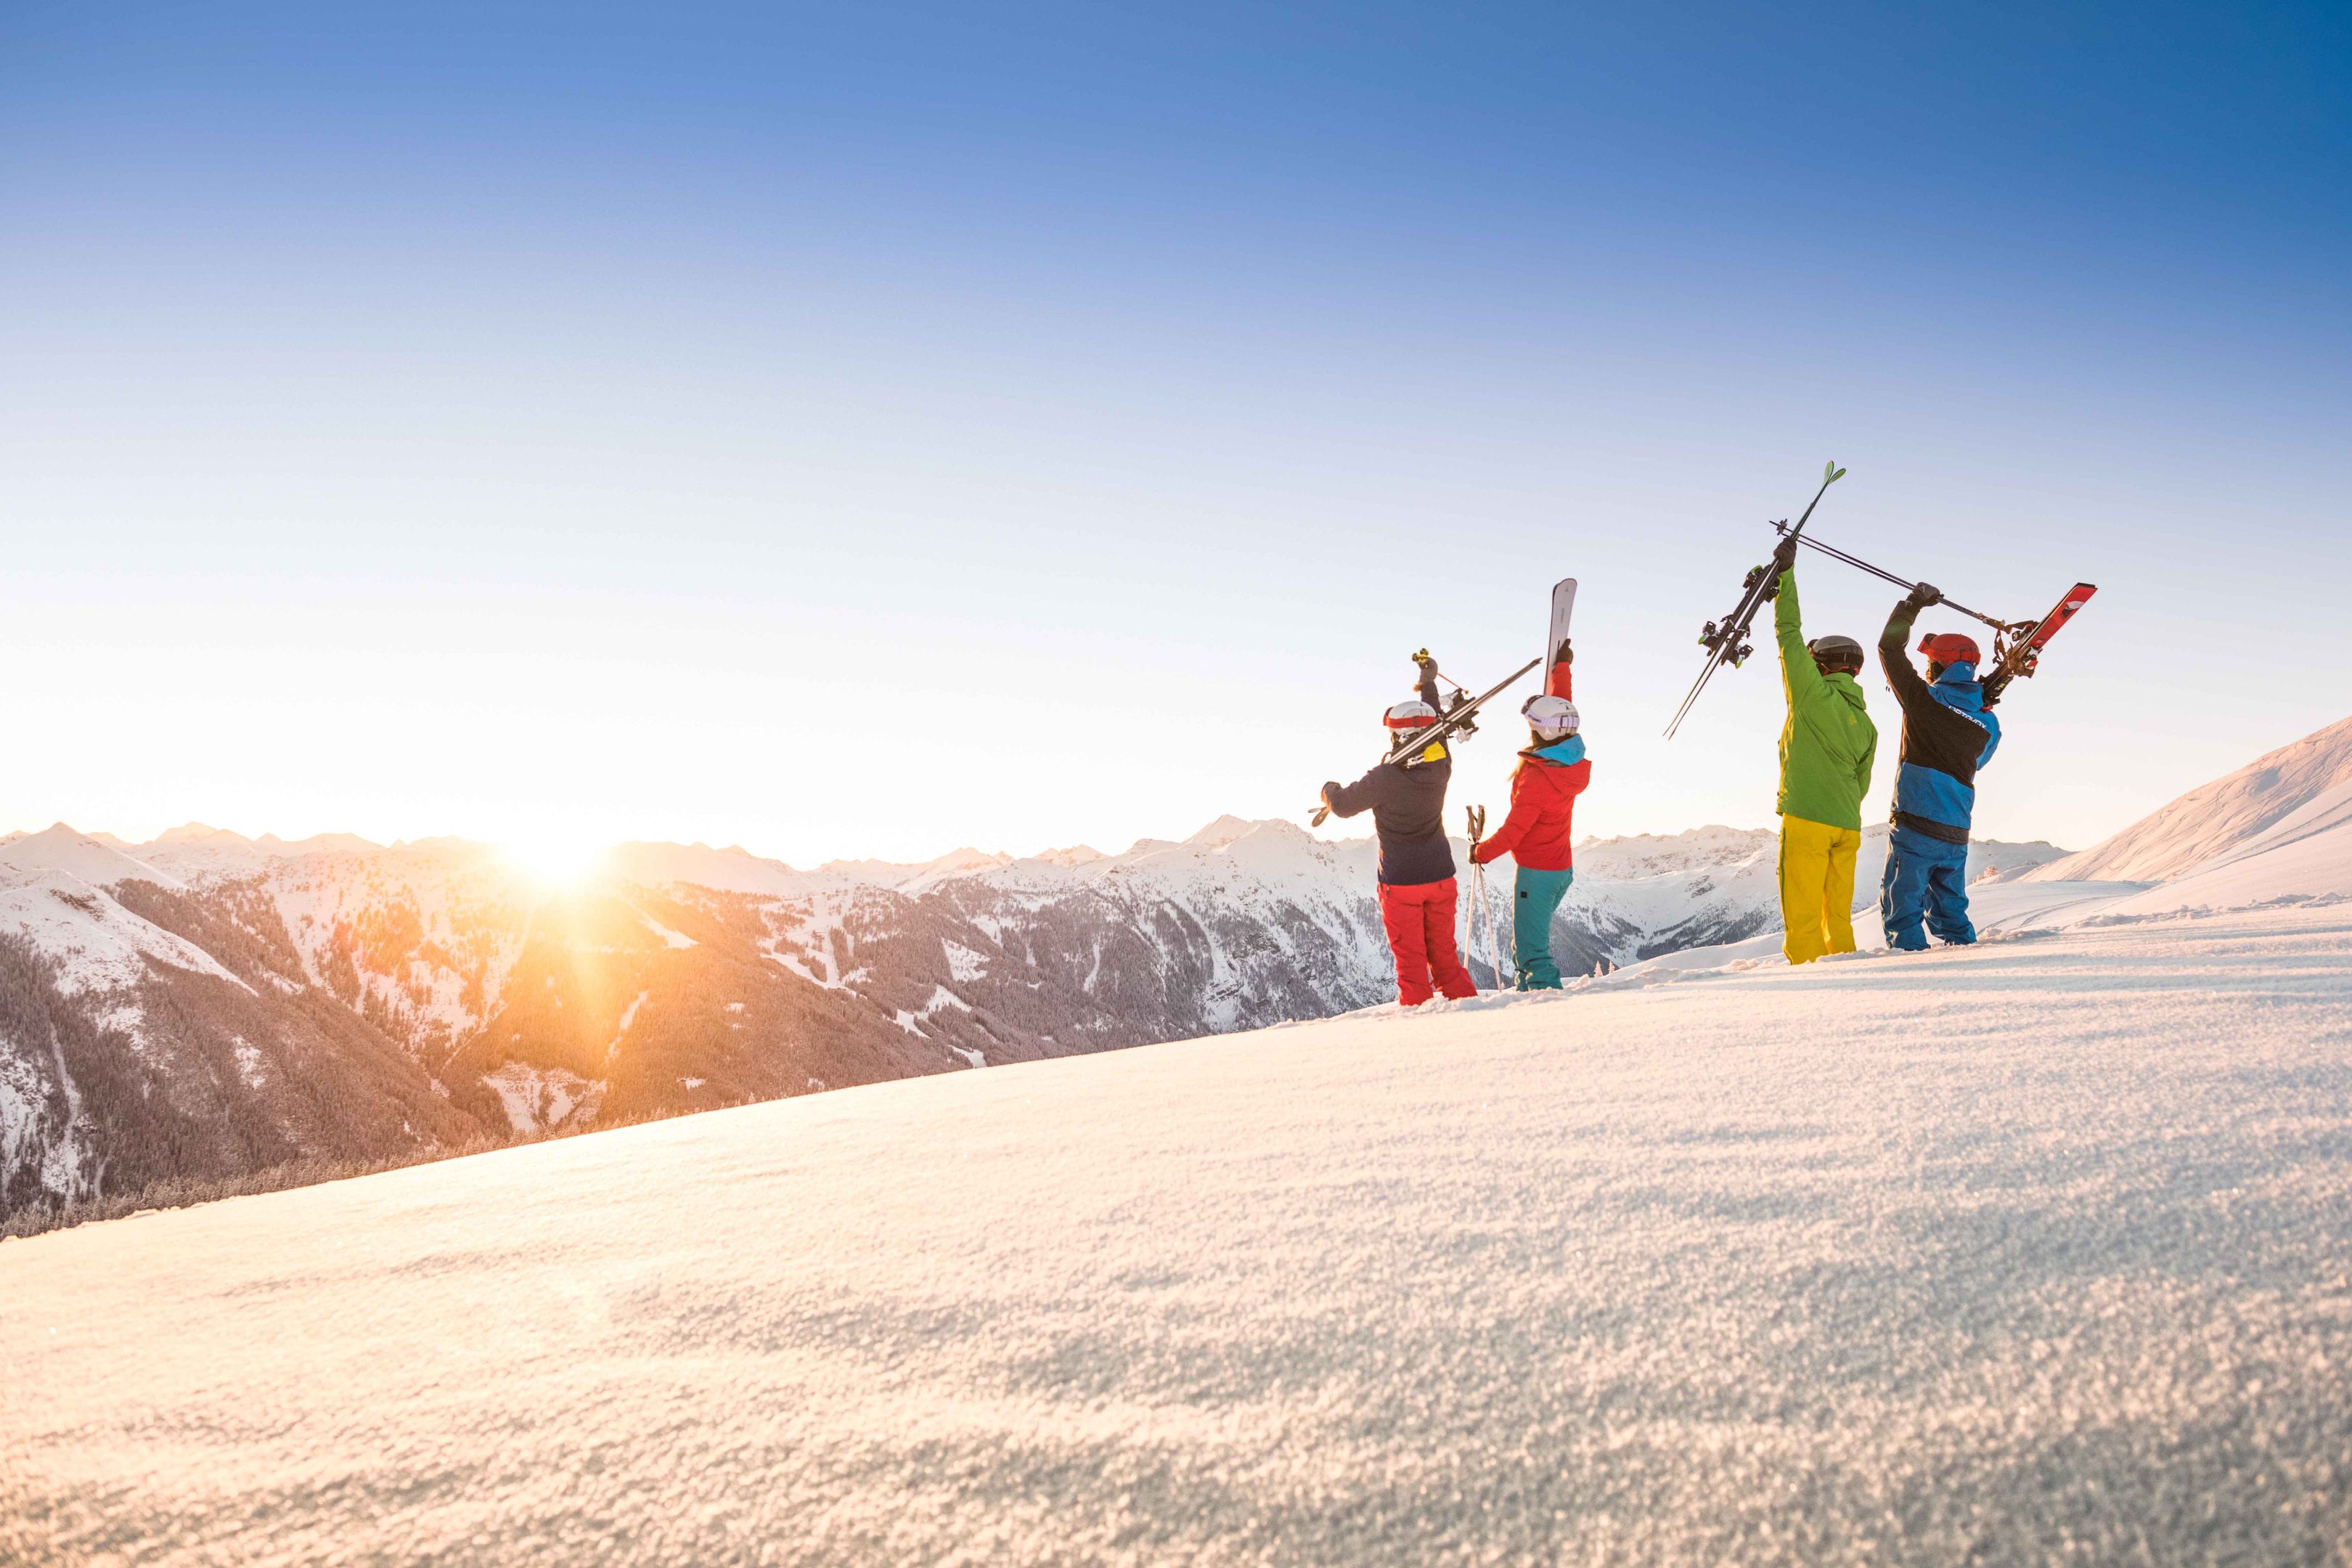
872, 430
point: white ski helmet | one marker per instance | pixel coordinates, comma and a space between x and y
1410, 714
1551, 718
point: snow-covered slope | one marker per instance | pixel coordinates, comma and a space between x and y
2028, 1252
684, 978
2305, 854
2221, 819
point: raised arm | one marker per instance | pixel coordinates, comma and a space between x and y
1894, 646
1428, 689
1799, 677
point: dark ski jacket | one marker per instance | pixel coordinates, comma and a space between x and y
1408, 807
1948, 735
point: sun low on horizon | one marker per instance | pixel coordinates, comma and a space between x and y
558, 864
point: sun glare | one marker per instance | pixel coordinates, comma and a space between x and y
559, 863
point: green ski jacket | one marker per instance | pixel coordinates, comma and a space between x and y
1829, 743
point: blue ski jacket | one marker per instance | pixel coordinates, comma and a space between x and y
1948, 735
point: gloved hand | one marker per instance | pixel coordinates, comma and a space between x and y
1428, 665
1565, 654
1924, 595
1784, 558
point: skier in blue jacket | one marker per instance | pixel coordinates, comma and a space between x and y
1948, 735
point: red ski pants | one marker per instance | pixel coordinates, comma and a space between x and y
1418, 918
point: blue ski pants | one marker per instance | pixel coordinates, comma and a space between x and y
1539, 893
1926, 879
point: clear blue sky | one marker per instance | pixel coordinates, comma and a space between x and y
872, 430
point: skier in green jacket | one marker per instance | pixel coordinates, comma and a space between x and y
1826, 751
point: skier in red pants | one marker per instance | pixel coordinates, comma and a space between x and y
1417, 890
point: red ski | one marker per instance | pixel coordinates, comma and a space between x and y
2022, 645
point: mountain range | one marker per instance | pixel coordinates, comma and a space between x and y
207, 1005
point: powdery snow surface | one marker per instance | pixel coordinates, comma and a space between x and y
2034, 1252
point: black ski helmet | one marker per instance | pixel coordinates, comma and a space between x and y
1837, 652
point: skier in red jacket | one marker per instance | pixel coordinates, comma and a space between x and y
1538, 833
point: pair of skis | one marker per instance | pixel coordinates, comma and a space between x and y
2018, 653
1726, 641
2017, 644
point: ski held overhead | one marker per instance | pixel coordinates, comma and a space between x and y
1726, 641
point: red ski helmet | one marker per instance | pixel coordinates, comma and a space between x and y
1410, 714
1950, 648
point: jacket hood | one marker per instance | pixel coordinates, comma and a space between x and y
1847, 686
1560, 753
1957, 686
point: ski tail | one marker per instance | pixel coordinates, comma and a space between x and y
1563, 610
2021, 656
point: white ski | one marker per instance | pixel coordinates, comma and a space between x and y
1563, 607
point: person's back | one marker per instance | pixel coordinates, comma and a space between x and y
1540, 832
1417, 892
1828, 747
1948, 735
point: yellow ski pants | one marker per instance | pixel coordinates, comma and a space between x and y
1816, 888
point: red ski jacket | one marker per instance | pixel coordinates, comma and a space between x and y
1541, 827
1540, 830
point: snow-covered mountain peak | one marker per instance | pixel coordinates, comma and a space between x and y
317, 844
1667, 854
914, 877
199, 833
61, 849
965, 862
1225, 831
729, 870
2217, 819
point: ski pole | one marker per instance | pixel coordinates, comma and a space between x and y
1835, 554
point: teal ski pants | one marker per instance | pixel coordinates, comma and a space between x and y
1539, 893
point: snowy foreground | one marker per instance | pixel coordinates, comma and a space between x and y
2037, 1252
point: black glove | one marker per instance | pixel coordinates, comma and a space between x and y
1924, 595
1784, 558
1565, 654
